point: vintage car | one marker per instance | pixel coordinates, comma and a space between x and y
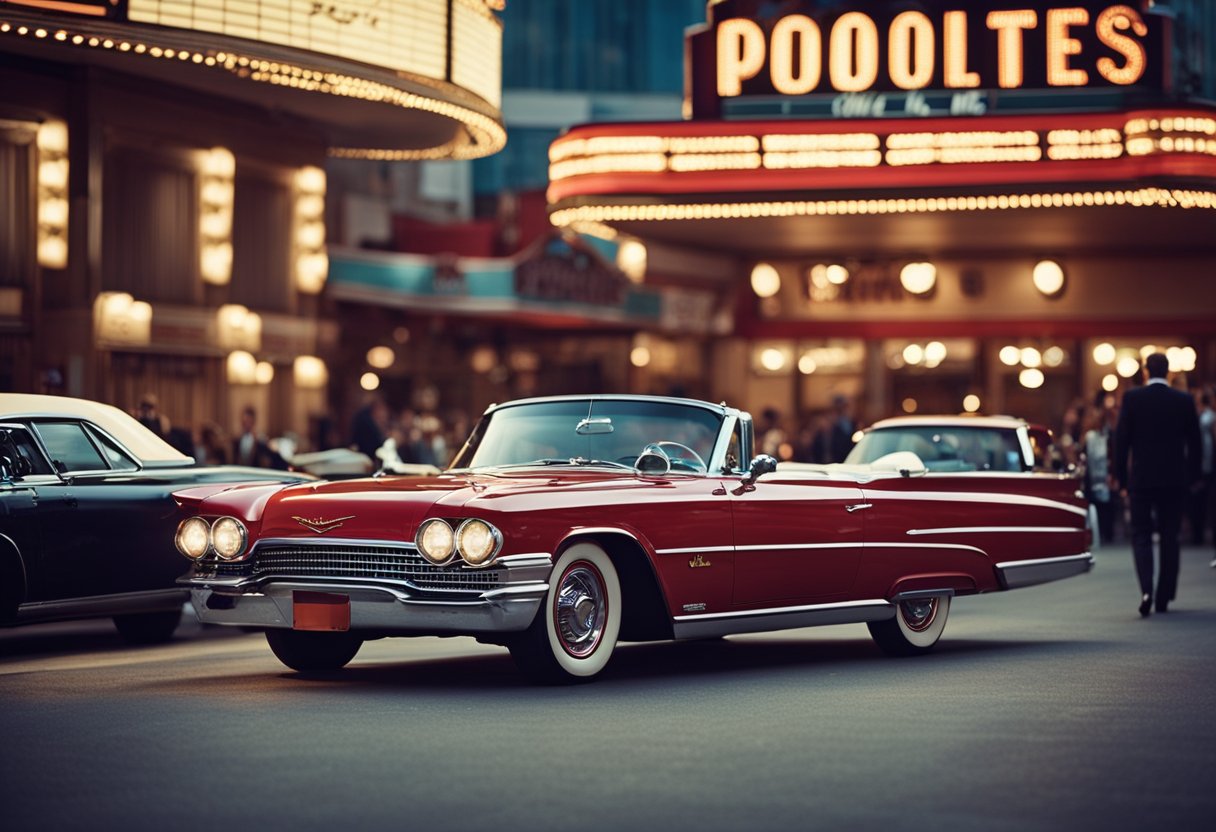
568, 524
959, 443
86, 513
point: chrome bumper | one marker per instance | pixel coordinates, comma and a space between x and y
380, 608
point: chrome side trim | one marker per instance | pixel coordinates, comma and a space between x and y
522, 561
713, 624
965, 497
98, 606
900, 545
532, 588
857, 544
1016, 574
873, 544
1001, 529
692, 550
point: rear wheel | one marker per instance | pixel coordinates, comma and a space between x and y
309, 651
575, 632
148, 627
916, 627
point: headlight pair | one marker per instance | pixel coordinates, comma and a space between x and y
227, 537
476, 541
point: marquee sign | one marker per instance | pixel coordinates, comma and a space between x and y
448, 40
856, 55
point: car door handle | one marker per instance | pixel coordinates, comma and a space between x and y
858, 507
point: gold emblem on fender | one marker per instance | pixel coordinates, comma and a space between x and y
320, 525
698, 562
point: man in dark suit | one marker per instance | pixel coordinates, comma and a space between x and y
251, 447
1159, 429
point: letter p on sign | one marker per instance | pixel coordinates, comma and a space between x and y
740, 54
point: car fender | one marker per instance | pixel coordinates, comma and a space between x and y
958, 583
247, 501
646, 615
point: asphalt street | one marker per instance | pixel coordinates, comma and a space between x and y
1052, 707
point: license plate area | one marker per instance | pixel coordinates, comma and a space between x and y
320, 611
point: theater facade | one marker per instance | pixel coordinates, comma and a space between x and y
164, 225
929, 206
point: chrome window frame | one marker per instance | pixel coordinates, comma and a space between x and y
87, 428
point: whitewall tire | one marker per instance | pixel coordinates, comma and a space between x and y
575, 631
916, 627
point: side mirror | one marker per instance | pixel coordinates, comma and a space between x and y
761, 465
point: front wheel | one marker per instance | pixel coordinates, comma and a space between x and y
147, 627
310, 651
916, 627
575, 632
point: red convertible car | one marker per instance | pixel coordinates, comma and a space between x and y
568, 524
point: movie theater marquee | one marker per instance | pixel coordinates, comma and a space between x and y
876, 59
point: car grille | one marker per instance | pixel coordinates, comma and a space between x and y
365, 563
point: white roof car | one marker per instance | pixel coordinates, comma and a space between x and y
150, 448
957, 443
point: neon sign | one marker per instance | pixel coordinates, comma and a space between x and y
938, 46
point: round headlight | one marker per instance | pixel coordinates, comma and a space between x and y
228, 538
436, 541
193, 537
477, 541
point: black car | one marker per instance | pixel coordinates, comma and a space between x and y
87, 515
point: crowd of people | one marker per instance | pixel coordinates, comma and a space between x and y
421, 438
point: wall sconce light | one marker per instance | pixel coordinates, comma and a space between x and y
1031, 378
264, 372
766, 280
381, 357
312, 262
631, 259
242, 367
918, 278
773, 358
238, 328
118, 318
216, 193
1048, 277
483, 360
310, 372
53, 195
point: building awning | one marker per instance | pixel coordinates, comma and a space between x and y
795, 187
557, 283
394, 80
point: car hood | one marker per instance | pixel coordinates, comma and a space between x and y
393, 507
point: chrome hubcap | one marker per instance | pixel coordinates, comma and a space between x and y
919, 614
582, 609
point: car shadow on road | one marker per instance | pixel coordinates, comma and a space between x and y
679, 663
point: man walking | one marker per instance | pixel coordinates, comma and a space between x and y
1159, 430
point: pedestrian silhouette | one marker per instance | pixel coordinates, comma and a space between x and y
1157, 462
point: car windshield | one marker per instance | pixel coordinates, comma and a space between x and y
944, 448
584, 432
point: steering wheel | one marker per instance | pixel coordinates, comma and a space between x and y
685, 458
